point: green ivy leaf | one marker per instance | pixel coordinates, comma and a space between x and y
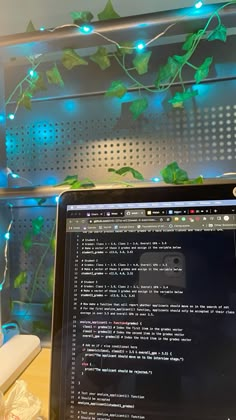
180, 97
76, 185
83, 17
20, 279
53, 245
85, 183
127, 170
141, 62
126, 47
40, 327
50, 280
117, 89
181, 59
220, 33
108, 13
54, 76
30, 27
71, 59
101, 58
138, 107
27, 242
198, 180
25, 100
173, 174
69, 180
166, 72
203, 71
37, 84
47, 307
40, 201
37, 225
190, 39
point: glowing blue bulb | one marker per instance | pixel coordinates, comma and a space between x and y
42, 28
7, 236
140, 46
86, 29
11, 116
199, 4
155, 179
57, 199
15, 176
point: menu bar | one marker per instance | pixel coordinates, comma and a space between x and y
167, 224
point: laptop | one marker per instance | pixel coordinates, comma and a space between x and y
144, 320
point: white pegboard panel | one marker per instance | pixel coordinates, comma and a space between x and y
87, 136
89, 147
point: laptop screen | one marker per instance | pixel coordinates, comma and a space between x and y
148, 324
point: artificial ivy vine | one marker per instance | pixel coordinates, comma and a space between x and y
125, 55
36, 237
134, 65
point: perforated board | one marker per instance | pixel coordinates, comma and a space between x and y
87, 136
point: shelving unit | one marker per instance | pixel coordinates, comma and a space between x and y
76, 130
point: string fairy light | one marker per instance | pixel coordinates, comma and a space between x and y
13, 175
7, 236
6, 247
88, 30
6, 265
139, 46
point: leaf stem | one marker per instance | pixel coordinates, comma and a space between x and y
191, 65
181, 81
41, 263
39, 244
219, 19
137, 83
44, 290
19, 86
198, 39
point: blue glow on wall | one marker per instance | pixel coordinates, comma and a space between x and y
51, 180
70, 105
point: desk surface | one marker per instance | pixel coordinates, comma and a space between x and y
37, 378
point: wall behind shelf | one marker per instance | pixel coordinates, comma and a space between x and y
51, 13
